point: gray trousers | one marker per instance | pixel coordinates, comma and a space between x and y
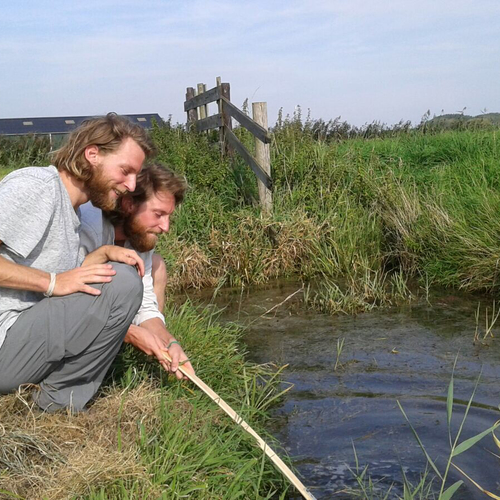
67, 344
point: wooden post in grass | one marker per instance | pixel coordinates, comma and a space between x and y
203, 108
226, 92
219, 109
226, 117
262, 155
191, 114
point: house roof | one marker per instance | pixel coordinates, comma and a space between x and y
62, 124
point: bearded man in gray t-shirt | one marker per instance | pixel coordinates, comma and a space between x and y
56, 330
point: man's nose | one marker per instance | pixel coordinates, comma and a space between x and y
165, 224
130, 182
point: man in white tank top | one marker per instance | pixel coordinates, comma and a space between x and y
144, 215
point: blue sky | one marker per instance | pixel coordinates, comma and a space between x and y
363, 60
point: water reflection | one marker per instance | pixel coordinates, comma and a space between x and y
405, 354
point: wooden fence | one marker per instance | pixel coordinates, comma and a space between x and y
197, 117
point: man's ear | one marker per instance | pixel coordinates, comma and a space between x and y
92, 154
127, 204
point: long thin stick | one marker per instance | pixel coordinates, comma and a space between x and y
263, 445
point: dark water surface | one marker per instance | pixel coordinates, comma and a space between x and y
404, 355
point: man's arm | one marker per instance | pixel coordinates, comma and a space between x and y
21, 230
151, 336
20, 277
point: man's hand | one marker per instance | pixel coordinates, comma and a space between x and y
179, 358
115, 253
76, 280
153, 345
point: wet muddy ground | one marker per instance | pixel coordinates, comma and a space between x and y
403, 354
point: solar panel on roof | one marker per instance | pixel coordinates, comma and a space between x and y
61, 124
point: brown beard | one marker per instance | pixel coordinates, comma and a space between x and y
139, 238
98, 190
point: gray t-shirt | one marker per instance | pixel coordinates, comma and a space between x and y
38, 228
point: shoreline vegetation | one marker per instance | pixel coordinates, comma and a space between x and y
146, 436
369, 207
359, 212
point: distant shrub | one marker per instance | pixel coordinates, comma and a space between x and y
16, 152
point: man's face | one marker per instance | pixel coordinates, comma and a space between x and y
148, 220
114, 173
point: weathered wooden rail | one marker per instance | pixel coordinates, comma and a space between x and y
196, 107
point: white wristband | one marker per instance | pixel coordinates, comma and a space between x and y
52, 285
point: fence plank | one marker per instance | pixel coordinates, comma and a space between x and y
246, 121
214, 121
249, 159
208, 96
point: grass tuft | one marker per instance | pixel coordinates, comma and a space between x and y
146, 436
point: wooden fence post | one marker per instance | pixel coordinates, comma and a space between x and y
230, 143
262, 155
226, 117
202, 109
219, 108
191, 114
226, 92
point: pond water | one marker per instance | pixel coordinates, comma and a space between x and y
403, 354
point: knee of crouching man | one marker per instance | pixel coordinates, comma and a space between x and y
127, 282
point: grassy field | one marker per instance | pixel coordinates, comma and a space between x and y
358, 213
361, 216
372, 205
146, 436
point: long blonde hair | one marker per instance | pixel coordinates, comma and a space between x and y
107, 133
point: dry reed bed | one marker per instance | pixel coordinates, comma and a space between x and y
56, 456
255, 251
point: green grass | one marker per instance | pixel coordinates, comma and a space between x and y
422, 206
149, 437
360, 212
358, 208
23, 152
202, 453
